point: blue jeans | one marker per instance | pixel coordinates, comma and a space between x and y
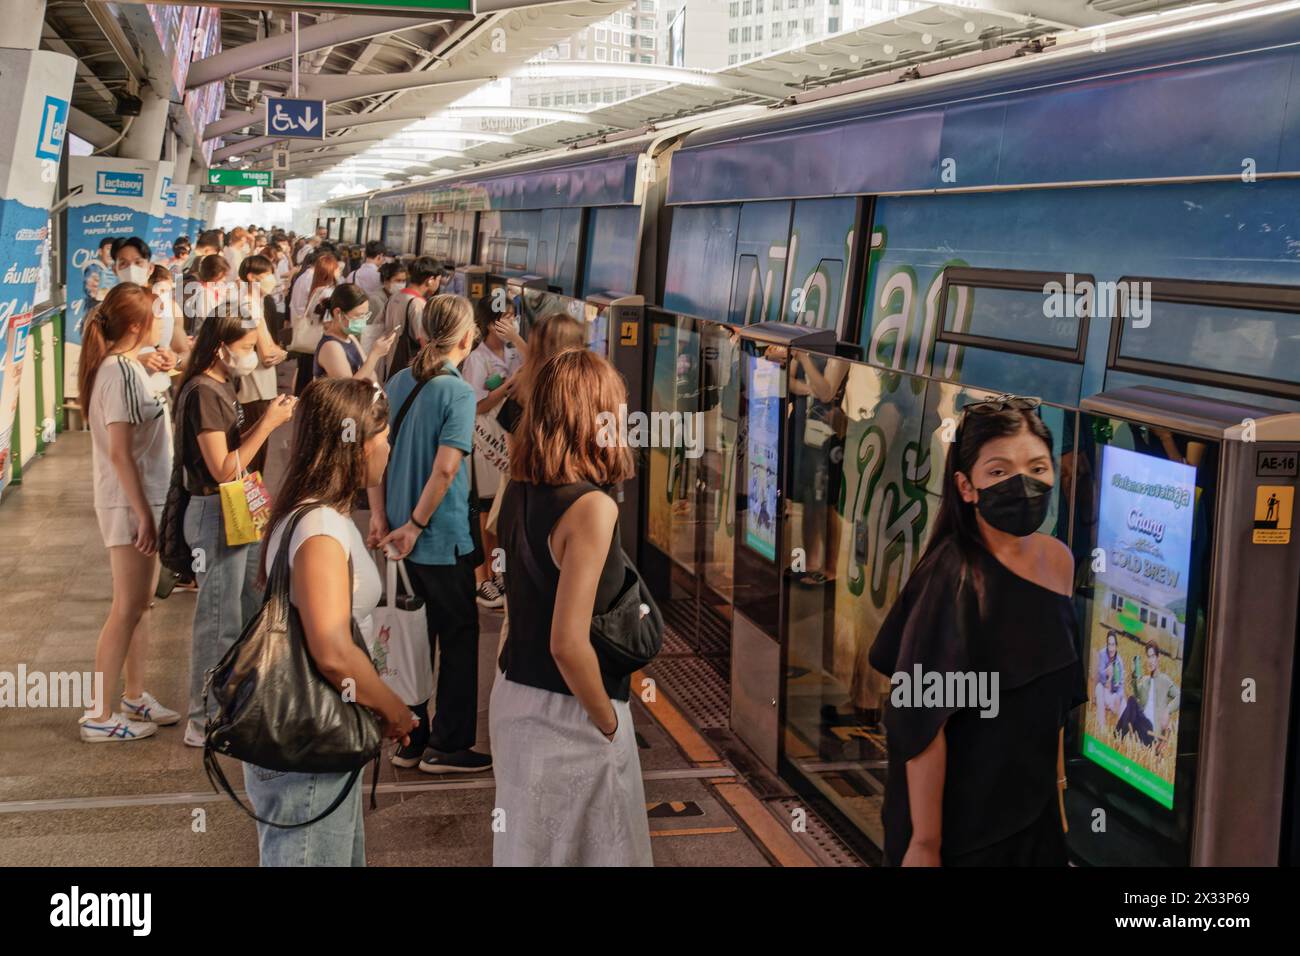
228, 594
338, 840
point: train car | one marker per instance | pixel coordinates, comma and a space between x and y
1067, 223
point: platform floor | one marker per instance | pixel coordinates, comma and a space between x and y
148, 803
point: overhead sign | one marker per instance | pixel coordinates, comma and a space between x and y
205, 188
239, 177
295, 119
281, 161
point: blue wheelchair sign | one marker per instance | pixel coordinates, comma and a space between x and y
295, 119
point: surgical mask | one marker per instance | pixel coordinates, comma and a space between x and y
1015, 505
395, 287
357, 323
268, 283
137, 272
240, 365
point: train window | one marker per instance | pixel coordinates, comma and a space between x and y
1234, 335
517, 254
1040, 314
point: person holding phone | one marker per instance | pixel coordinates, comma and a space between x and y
346, 315
214, 442
490, 370
131, 456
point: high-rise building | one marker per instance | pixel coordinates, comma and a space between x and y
715, 34
631, 36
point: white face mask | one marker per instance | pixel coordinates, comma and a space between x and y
137, 272
268, 283
238, 365
395, 287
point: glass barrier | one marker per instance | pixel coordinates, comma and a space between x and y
867, 452
674, 390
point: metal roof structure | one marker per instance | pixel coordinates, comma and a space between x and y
392, 82
905, 42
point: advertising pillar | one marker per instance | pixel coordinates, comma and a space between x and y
39, 83
118, 198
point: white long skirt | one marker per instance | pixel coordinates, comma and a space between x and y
565, 795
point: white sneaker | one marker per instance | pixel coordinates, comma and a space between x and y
193, 734
489, 596
116, 728
147, 708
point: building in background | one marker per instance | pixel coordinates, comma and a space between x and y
632, 36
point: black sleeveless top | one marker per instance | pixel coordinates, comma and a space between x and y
1001, 770
526, 657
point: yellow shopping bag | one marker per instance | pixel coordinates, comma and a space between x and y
245, 506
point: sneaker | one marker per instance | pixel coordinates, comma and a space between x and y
116, 728
462, 761
194, 736
408, 756
489, 596
147, 708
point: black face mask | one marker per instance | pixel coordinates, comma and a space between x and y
1015, 505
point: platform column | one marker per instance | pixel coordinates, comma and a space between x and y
35, 86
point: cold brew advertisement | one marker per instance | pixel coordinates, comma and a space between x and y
762, 455
1138, 620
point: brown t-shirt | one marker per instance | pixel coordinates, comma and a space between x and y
208, 406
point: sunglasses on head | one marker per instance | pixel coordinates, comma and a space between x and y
1002, 403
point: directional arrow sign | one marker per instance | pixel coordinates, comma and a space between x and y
295, 119
239, 177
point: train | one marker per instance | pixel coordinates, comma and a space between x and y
1081, 220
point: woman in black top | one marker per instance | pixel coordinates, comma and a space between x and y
568, 775
214, 443
977, 782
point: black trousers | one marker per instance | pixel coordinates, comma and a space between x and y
452, 613
304, 373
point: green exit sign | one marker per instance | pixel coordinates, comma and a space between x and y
239, 177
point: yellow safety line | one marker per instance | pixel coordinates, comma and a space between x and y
765, 827
675, 724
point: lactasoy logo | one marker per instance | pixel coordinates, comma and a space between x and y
119, 184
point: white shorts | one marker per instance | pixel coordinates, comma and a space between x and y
117, 525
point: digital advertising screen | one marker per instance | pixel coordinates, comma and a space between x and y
763, 409
1137, 626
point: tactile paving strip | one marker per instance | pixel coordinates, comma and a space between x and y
818, 839
697, 688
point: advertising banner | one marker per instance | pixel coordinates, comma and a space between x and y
13, 349
1137, 633
39, 83
119, 197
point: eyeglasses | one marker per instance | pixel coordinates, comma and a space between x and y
1001, 403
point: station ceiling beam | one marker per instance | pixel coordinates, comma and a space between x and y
318, 36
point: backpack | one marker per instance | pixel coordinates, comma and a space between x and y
405, 348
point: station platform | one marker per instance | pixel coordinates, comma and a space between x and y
65, 803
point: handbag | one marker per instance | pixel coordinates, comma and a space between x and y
630, 633
307, 328
173, 551
274, 708
399, 647
245, 506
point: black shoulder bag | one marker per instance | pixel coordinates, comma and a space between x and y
625, 638
173, 551
275, 709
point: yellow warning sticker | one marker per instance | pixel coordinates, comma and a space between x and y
1273, 507
627, 336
